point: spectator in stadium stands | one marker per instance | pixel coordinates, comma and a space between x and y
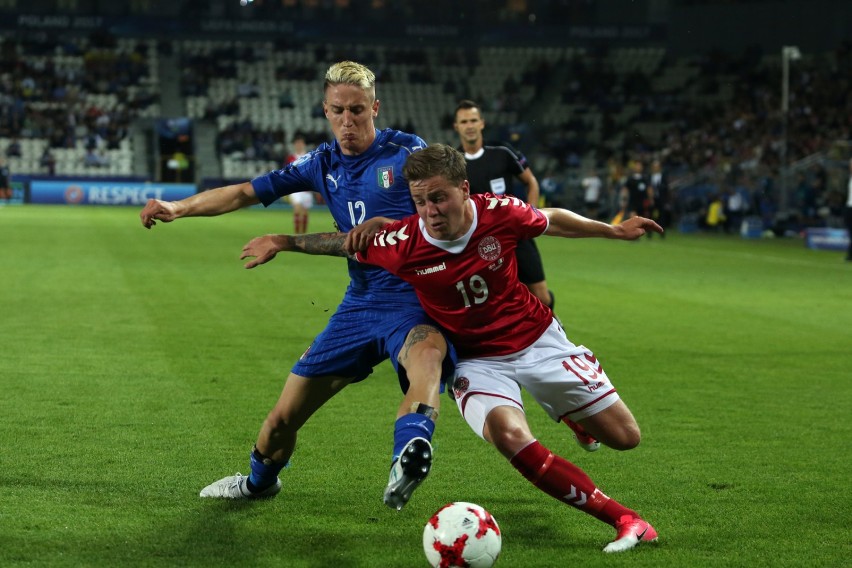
658, 189
95, 159
302, 201
48, 161
359, 174
715, 216
551, 188
5, 181
506, 338
635, 191
13, 150
819, 181
734, 210
493, 168
285, 99
848, 213
248, 89
591, 185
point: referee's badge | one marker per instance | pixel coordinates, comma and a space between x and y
385, 177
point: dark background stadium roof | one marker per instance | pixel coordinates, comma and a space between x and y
679, 25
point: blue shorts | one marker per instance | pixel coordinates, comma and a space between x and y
364, 331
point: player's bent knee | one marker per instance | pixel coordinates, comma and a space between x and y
274, 423
429, 355
509, 441
625, 439
423, 356
277, 422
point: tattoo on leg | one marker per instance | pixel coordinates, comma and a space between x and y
418, 334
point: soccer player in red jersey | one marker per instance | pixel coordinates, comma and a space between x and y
458, 254
302, 201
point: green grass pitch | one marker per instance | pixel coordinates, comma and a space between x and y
137, 366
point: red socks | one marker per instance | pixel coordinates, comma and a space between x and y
566, 482
300, 223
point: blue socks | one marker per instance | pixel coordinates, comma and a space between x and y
410, 426
264, 472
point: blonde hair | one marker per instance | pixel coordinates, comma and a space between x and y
351, 73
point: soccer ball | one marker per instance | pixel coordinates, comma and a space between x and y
462, 534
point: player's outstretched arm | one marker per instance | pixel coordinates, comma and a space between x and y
205, 204
360, 236
564, 223
635, 227
263, 249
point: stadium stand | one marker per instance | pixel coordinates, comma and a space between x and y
75, 97
76, 103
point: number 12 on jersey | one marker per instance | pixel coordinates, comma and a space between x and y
357, 212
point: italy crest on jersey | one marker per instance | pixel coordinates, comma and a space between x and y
385, 177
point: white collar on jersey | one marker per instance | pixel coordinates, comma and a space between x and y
458, 245
475, 155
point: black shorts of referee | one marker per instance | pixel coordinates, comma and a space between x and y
530, 269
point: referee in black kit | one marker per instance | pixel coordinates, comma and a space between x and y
493, 169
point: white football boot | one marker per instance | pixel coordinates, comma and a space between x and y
408, 472
234, 487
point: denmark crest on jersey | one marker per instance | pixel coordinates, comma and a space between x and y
385, 177
490, 249
460, 386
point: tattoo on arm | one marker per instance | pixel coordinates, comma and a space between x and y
328, 244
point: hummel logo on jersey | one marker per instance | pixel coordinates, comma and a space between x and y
430, 270
383, 238
332, 179
503, 201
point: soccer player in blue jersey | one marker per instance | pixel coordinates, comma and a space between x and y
359, 174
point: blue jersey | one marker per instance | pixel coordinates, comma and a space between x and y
379, 309
356, 188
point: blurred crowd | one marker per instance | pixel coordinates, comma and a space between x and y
60, 102
721, 153
733, 149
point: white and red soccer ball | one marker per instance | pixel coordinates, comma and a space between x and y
462, 534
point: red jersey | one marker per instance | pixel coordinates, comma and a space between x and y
470, 286
293, 157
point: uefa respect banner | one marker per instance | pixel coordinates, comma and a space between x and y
827, 238
106, 193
